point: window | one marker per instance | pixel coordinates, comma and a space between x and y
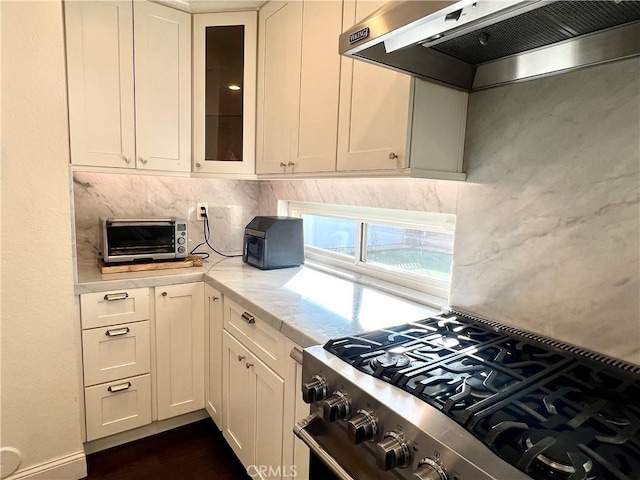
396, 249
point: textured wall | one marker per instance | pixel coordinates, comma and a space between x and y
547, 230
232, 204
40, 371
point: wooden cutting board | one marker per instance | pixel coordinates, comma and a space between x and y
190, 261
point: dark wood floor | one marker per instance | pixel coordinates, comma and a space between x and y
193, 452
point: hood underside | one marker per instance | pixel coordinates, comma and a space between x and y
476, 45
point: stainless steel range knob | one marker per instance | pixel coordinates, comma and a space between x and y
362, 427
392, 451
429, 469
336, 407
314, 390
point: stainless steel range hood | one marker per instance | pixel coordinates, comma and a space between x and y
479, 44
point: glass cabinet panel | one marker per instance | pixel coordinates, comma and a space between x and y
224, 73
224, 92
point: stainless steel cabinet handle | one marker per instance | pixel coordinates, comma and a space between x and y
241, 358
215, 299
300, 430
143, 160
248, 365
393, 156
291, 164
126, 159
117, 332
247, 317
282, 164
119, 388
109, 297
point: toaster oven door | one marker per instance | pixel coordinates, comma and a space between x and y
139, 241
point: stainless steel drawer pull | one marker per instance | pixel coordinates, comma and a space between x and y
109, 297
119, 388
117, 332
300, 430
241, 358
247, 317
248, 365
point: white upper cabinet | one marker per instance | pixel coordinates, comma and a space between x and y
320, 114
163, 87
374, 108
224, 86
118, 119
298, 82
99, 37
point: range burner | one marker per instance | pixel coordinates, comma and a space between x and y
390, 360
550, 413
559, 452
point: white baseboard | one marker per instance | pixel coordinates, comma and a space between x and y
71, 467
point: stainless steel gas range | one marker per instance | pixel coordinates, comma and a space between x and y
457, 397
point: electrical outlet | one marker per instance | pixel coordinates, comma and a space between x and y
200, 209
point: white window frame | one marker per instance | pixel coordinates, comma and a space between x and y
427, 290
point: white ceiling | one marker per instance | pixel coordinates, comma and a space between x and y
202, 6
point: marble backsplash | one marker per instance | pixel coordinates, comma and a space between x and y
548, 223
232, 204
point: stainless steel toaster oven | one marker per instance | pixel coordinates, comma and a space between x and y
140, 239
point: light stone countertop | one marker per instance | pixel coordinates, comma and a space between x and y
307, 305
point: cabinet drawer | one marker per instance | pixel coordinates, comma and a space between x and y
263, 340
116, 352
117, 406
111, 308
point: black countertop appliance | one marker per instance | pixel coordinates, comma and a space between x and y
273, 242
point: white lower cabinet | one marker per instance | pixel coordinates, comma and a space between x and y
122, 382
179, 348
117, 406
116, 359
253, 409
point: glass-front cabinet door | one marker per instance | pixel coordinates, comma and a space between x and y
224, 92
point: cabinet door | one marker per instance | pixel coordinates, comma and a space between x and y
180, 348
315, 128
99, 37
163, 87
213, 354
224, 92
278, 83
374, 108
237, 403
267, 394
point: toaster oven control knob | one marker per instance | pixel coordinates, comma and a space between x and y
429, 469
314, 390
336, 407
392, 451
181, 240
181, 249
362, 427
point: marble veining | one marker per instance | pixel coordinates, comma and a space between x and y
547, 233
397, 193
232, 204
